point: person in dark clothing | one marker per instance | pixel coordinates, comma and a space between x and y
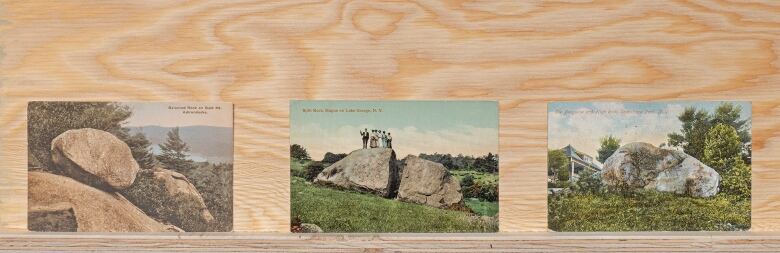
364, 134
389, 140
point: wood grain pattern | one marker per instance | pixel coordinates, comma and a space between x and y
261, 54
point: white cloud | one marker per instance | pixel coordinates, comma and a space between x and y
465, 140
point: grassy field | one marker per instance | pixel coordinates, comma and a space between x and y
481, 177
346, 211
646, 211
482, 207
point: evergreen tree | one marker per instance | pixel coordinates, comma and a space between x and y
608, 146
174, 153
722, 148
141, 149
696, 123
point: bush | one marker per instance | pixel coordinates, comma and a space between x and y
313, 169
331, 158
722, 148
588, 183
737, 181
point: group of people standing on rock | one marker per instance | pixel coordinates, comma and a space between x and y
376, 139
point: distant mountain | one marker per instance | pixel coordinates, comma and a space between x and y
207, 143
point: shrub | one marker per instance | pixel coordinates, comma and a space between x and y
588, 183
737, 181
332, 158
313, 169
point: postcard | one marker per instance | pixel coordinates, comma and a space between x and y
394, 166
130, 166
649, 166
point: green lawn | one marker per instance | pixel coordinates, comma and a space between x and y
646, 211
481, 177
346, 211
482, 207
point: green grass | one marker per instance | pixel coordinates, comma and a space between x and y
482, 207
298, 167
481, 177
346, 211
646, 211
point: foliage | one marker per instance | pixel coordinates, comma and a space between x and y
214, 182
298, 167
737, 182
722, 148
299, 152
645, 211
313, 169
479, 185
558, 165
696, 123
174, 153
588, 183
608, 146
151, 197
141, 149
467, 181
331, 158
47, 120
486, 163
347, 211
481, 207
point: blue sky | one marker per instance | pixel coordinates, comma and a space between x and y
582, 124
467, 127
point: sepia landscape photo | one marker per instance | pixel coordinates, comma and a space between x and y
394, 166
130, 167
662, 166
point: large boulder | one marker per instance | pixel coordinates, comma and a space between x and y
187, 209
58, 203
369, 170
94, 157
429, 183
642, 165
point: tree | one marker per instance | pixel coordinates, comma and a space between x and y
589, 182
722, 148
558, 165
141, 149
174, 153
696, 123
299, 152
608, 146
47, 120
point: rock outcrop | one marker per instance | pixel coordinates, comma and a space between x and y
642, 165
369, 170
94, 157
186, 202
58, 203
429, 183
377, 171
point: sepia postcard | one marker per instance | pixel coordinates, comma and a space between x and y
394, 166
130, 166
649, 166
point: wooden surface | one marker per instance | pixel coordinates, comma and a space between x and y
261, 54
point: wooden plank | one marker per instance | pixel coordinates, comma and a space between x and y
261, 54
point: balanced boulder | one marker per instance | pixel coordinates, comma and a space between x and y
187, 210
642, 165
369, 170
429, 183
95, 157
58, 203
